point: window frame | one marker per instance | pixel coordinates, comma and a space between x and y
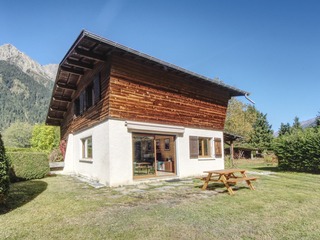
194, 147
86, 148
205, 147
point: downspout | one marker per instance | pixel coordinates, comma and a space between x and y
246, 96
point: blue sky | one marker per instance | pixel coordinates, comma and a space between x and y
270, 48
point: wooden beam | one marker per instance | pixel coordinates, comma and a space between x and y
57, 109
80, 64
62, 99
90, 55
66, 86
71, 70
55, 118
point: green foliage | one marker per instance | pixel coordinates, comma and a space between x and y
28, 165
284, 129
262, 134
22, 97
296, 126
240, 118
4, 173
299, 151
18, 135
45, 138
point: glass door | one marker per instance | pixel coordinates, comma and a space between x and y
153, 155
143, 155
165, 154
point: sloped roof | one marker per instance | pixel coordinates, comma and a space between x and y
87, 50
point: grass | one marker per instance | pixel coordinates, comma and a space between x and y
284, 206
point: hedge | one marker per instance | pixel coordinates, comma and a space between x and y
28, 165
299, 151
4, 173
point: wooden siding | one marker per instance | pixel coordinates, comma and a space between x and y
139, 92
94, 114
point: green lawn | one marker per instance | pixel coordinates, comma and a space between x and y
284, 206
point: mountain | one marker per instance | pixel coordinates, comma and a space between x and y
42, 74
25, 87
309, 123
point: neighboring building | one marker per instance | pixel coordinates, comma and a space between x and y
126, 115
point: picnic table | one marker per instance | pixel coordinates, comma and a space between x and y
228, 177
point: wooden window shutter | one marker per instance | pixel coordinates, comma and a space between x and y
217, 147
194, 147
97, 88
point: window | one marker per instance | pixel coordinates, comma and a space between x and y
76, 107
204, 147
217, 147
96, 88
89, 97
200, 147
86, 148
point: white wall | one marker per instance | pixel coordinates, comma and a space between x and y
112, 151
97, 168
194, 167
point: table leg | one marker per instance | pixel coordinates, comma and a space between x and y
224, 180
206, 182
247, 181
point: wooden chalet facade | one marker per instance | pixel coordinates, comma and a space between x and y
126, 115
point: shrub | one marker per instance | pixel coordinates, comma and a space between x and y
299, 151
4, 173
28, 165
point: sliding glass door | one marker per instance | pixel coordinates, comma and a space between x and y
153, 155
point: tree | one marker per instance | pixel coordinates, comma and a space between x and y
18, 135
318, 120
284, 129
296, 126
4, 173
240, 118
262, 134
45, 138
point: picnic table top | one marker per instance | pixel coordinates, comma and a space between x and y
225, 171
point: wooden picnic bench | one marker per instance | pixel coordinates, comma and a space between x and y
227, 177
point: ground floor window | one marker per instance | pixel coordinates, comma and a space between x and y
200, 147
86, 148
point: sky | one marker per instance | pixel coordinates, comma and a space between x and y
270, 48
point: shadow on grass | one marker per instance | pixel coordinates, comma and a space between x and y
220, 188
268, 168
21, 193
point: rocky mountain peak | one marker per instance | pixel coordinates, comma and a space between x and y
40, 73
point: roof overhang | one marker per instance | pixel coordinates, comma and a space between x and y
89, 49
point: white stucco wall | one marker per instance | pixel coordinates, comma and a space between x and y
112, 151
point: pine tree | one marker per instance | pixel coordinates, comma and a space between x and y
262, 134
284, 129
296, 126
318, 120
4, 173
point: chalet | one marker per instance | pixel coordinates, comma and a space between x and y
125, 115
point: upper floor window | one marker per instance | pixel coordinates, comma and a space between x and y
90, 96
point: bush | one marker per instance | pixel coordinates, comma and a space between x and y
4, 173
299, 151
28, 165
